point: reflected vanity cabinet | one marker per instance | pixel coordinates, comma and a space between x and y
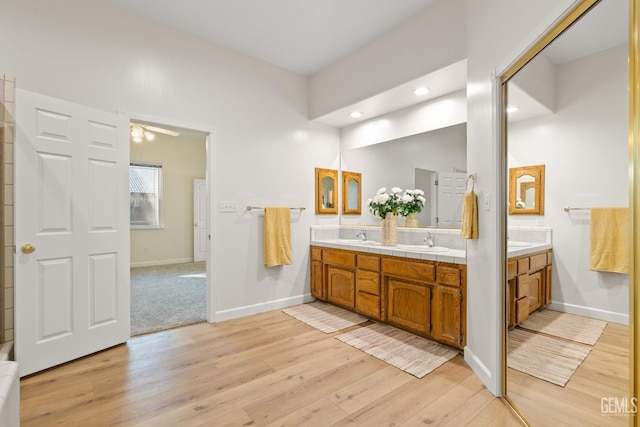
420, 296
528, 285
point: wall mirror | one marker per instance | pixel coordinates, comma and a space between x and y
526, 190
572, 90
416, 161
351, 193
326, 191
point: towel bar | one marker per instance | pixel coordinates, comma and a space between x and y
250, 208
567, 209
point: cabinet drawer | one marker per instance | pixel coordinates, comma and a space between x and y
316, 253
523, 265
348, 259
537, 262
522, 286
368, 281
448, 275
512, 269
409, 269
368, 262
368, 305
522, 309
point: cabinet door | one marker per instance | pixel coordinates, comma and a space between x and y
535, 290
317, 285
409, 305
341, 286
547, 285
447, 324
511, 303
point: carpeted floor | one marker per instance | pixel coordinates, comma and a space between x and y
166, 296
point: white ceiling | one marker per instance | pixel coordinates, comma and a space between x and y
306, 36
300, 35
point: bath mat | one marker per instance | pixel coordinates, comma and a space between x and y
413, 354
548, 358
325, 317
564, 325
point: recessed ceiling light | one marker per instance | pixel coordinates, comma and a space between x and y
512, 109
356, 114
421, 91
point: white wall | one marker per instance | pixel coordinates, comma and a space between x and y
183, 159
425, 43
392, 163
584, 147
498, 31
266, 149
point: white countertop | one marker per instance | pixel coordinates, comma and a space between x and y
456, 256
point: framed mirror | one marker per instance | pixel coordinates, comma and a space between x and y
526, 190
326, 191
351, 193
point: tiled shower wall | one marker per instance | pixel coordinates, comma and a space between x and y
7, 128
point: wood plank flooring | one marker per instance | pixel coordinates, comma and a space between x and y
263, 370
603, 374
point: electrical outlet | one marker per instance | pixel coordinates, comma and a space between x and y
228, 207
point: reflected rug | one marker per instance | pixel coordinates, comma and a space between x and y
325, 317
564, 325
413, 354
548, 358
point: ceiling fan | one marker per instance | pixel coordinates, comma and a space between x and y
140, 132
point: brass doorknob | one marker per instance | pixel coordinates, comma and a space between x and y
28, 248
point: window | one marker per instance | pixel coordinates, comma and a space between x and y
145, 195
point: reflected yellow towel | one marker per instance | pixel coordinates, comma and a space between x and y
469, 229
609, 240
277, 236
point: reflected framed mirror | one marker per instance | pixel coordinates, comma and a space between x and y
326, 191
526, 190
351, 193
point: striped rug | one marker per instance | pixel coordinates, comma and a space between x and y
413, 354
548, 358
564, 325
325, 317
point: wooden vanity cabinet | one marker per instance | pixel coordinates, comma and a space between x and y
420, 296
528, 285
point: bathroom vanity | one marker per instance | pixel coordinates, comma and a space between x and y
425, 297
528, 284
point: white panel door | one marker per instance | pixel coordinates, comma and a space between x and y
451, 188
199, 219
72, 206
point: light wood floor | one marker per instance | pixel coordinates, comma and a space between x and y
264, 370
603, 374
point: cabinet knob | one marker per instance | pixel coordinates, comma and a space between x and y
28, 248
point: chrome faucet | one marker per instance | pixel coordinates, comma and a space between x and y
362, 235
429, 239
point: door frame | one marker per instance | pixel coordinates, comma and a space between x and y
211, 156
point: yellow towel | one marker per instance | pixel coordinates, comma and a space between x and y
277, 236
469, 229
610, 240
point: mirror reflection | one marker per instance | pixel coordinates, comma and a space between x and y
351, 193
434, 162
326, 191
573, 118
526, 190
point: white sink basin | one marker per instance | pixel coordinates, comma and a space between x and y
423, 248
511, 244
356, 242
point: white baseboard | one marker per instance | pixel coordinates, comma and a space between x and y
594, 313
482, 372
160, 262
248, 310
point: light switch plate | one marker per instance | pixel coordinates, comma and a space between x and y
487, 202
228, 207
